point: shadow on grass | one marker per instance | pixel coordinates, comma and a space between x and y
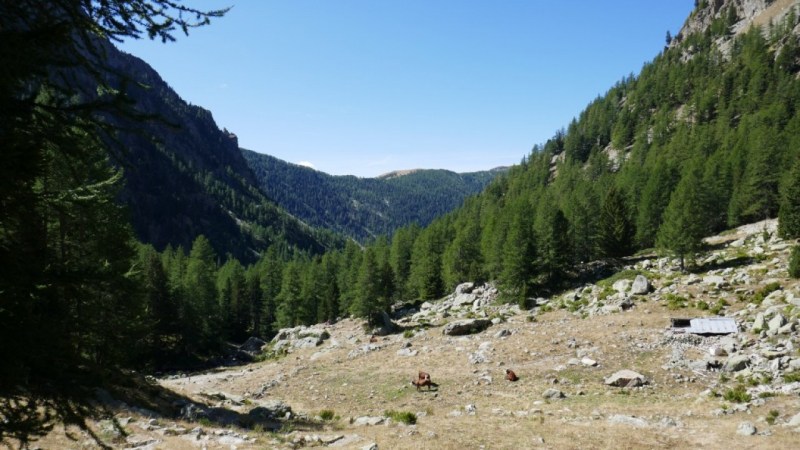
28, 414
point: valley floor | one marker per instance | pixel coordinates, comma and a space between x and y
682, 404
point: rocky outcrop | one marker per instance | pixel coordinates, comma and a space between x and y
626, 378
469, 326
299, 337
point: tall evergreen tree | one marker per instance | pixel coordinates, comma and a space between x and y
615, 227
553, 245
462, 260
789, 213
519, 254
200, 314
288, 312
685, 220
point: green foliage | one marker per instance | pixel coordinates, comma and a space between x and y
616, 232
519, 253
794, 262
72, 313
772, 416
327, 414
685, 223
762, 293
737, 394
675, 302
405, 417
363, 208
791, 377
718, 306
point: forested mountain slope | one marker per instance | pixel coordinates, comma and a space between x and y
363, 208
706, 137
185, 177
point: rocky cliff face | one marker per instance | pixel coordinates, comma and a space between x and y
740, 15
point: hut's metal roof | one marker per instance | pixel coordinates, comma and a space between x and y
708, 325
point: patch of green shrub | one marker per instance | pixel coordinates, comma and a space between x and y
327, 414
759, 296
773, 414
718, 307
675, 301
405, 417
794, 262
791, 377
738, 394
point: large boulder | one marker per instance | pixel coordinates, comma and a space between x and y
641, 285
386, 325
468, 326
621, 286
736, 363
253, 345
776, 322
626, 378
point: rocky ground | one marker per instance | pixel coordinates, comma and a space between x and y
341, 386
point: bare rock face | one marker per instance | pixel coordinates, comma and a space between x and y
626, 378
468, 326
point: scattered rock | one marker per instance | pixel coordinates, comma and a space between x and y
621, 286
502, 333
467, 326
794, 421
776, 322
736, 363
746, 429
758, 323
553, 394
640, 286
626, 378
369, 421
406, 352
588, 362
628, 420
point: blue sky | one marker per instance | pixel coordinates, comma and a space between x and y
364, 87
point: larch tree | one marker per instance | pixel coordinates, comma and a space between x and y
685, 219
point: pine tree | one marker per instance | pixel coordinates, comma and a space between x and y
287, 312
402, 246
789, 213
232, 301
615, 228
200, 314
161, 310
328, 309
463, 260
654, 200
426, 264
519, 253
685, 220
553, 246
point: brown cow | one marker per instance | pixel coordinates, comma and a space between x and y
511, 376
424, 379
